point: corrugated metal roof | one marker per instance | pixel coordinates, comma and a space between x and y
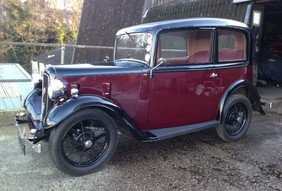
160, 2
15, 84
197, 8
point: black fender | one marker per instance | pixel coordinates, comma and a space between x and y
32, 104
252, 95
61, 111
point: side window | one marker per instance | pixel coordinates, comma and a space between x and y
231, 46
185, 46
173, 45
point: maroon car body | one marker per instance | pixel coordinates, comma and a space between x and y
167, 79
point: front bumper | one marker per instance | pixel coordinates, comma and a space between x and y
26, 134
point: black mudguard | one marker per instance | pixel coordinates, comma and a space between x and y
252, 94
61, 111
32, 104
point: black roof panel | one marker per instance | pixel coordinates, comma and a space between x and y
183, 23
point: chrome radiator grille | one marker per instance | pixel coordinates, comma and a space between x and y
46, 101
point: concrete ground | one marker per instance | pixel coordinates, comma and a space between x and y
7, 116
197, 161
271, 95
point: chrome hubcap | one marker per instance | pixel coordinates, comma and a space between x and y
240, 117
88, 144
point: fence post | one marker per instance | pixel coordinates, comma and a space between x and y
63, 54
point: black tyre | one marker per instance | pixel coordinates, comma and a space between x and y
83, 142
237, 116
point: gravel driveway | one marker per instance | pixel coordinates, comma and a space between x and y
198, 161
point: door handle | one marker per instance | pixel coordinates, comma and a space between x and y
213, 75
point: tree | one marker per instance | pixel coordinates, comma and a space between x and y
37, 22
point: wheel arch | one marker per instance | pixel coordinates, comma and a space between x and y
61, 111
243, 87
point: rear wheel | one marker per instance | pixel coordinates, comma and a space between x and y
237, 117
83, 142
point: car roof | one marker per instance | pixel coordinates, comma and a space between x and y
183, 23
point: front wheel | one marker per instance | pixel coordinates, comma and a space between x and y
237, 117
83, 142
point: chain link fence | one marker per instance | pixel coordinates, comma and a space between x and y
59, 54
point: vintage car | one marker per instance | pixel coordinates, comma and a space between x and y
167, 79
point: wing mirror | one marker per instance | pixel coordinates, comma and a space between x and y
160, 62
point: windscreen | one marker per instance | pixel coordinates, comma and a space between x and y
134, 46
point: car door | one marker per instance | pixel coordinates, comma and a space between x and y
233, 60
182, 91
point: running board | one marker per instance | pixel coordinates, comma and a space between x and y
165, 133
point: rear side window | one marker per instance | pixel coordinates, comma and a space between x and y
232, 46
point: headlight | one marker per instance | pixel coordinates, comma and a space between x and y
56, 89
